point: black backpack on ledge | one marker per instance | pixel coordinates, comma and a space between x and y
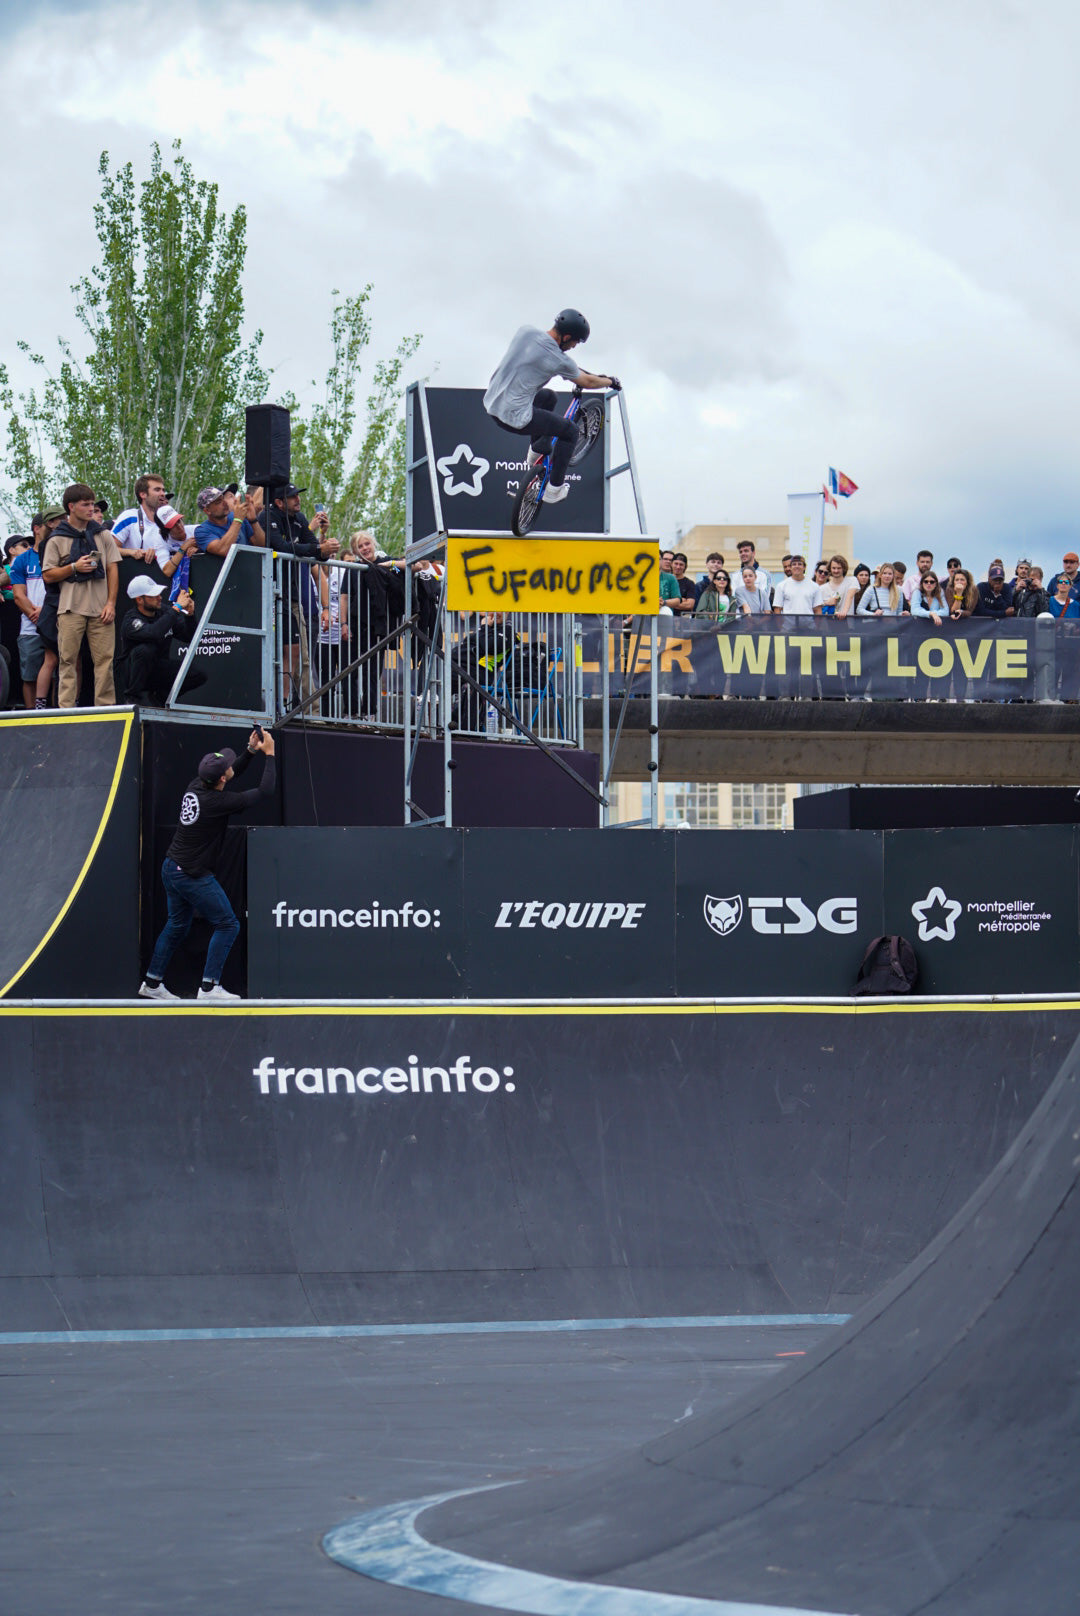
889, 966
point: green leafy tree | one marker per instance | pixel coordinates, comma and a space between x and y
354, 463
166, 372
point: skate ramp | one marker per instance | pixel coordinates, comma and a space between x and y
589, 1162
69, 829
923, 1460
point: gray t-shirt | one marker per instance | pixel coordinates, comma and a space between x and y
529, 363
756, 599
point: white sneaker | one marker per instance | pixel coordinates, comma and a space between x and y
160, 991
217, 994
553, 495
532, 459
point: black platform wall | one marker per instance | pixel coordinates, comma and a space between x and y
935, 807
334, 777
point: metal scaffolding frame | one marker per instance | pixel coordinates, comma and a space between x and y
422, 547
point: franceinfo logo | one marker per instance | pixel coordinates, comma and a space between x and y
457, 1077
377, 916
527, 915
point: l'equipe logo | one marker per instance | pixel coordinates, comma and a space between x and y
789, 917
574, 916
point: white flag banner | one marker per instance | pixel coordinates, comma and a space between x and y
806, 527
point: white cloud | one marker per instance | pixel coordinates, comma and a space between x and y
803, 236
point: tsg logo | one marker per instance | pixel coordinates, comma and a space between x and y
189, 808
788, 917
722, 914
463, 472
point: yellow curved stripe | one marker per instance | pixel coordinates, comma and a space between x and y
90, 718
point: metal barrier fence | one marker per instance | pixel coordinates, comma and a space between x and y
342, 656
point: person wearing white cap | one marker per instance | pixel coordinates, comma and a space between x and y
146, 637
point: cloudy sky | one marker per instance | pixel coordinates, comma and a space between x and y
805, 234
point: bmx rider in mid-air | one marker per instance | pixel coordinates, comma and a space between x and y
519, 400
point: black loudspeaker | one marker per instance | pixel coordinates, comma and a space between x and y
267, 445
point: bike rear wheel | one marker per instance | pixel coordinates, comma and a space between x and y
527, 501
590, 421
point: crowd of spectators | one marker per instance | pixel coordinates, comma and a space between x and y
725, 595
72, 634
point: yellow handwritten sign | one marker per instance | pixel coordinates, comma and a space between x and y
553, 575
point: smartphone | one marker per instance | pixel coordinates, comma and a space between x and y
258, 731
320, 510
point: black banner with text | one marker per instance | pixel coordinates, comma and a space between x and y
977, 658
585, 914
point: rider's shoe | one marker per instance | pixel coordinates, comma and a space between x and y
532, 459
552, 495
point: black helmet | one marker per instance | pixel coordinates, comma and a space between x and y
571, 323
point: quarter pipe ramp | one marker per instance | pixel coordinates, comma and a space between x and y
923, 1460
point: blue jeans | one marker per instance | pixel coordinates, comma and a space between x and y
190, 896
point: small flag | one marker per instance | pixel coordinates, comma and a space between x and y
828, 496
841, 484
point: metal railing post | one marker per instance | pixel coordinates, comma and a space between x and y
605, 721
448, 737
654, 725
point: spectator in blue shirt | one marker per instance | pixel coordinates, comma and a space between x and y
1063, 601
926, 599
1070, 569
37, 659
221, 526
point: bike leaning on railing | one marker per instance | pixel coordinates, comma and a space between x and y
590, 419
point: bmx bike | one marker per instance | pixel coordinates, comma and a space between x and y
590, 420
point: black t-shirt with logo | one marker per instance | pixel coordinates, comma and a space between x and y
204, 817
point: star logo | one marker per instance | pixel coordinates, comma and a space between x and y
937, 916
463, 472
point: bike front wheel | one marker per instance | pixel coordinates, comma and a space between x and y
527, 502
590, 422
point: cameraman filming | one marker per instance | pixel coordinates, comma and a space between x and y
83, 558
188, 870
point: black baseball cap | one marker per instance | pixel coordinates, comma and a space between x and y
215, 764
291, 489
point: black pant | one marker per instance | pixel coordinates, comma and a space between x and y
544, 425
150, 673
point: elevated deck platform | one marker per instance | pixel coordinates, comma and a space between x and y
872, 742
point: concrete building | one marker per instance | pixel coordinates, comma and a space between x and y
771, 540
710, 805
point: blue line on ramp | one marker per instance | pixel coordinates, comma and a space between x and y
385, 1545
337, 1332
